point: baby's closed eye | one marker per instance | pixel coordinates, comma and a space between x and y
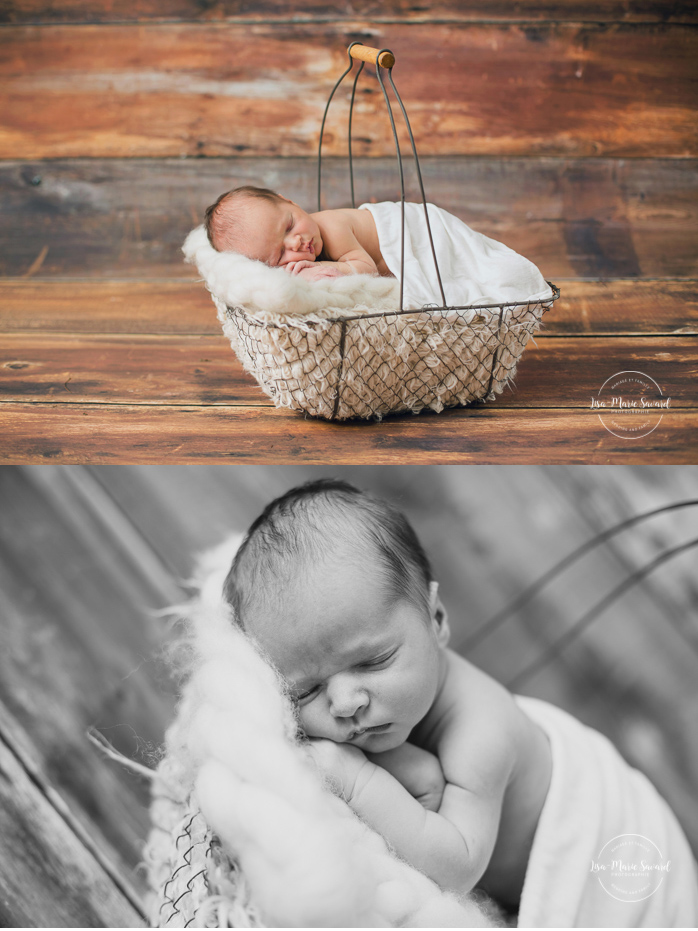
380, 661
299, 696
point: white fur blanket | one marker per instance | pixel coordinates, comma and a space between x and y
236, 281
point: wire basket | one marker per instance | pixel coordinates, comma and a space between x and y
370, 365
377, 364
193, 881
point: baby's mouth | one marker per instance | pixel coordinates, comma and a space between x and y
359, 732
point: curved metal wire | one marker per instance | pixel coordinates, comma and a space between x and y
324, 117
421, 184
402, 176
351, 111
379, 70
498, 619
559, 645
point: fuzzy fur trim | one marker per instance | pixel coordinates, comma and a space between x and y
270, 293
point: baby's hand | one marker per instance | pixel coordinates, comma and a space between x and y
340, 763
316, 272
295, 268
312, 271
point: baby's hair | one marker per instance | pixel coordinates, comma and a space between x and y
215, 226
299, 528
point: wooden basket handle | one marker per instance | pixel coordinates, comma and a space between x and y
365, 53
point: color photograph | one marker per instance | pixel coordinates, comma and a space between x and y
265, 232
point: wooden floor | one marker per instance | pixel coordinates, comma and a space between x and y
110, 371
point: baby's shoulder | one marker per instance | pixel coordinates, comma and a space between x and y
342, 218
338, 215
471, 691
481, 721
346, 228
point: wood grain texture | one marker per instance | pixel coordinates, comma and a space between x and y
77, 654
572, 217
201, 370
76, 11
620, 307
53, 433
224, 89
48, 878
130, 369
97, 306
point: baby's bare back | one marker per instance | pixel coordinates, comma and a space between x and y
339, 228
501, 762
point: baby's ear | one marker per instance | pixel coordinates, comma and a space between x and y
439, 616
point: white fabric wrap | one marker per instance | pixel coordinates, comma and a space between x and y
594, 797
474, 268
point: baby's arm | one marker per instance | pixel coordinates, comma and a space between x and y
417, 770
342, 245
452, 846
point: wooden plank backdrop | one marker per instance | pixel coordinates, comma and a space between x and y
257, 11
127, 218
565, 130
229, 89
87, 555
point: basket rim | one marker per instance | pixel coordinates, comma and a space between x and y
425, 309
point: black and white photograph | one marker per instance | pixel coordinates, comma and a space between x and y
312, 696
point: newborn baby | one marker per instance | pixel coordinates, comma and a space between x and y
473, 268
262, 225
468, 783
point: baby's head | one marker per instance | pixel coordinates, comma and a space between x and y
262, 225
335, 587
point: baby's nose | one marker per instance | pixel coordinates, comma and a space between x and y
345, 698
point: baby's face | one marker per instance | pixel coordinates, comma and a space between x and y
363, 667
279, 233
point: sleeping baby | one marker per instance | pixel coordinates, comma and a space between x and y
468, 783
262, 225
